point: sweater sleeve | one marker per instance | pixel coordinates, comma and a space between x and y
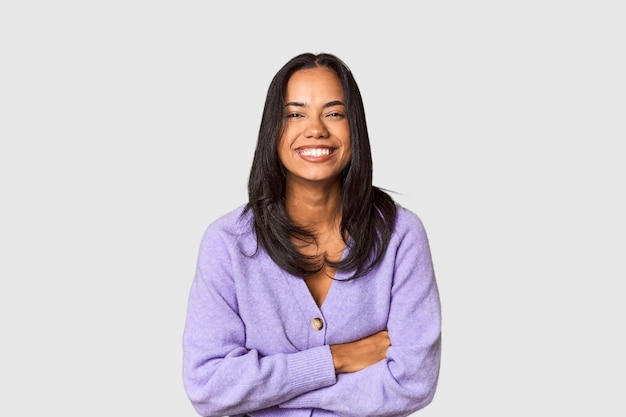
406, 380
222, 377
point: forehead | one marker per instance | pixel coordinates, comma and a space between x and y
314, 82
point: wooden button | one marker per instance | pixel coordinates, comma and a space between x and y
317, 323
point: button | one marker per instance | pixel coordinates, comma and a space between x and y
317, 323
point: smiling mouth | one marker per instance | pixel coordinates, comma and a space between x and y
315, 152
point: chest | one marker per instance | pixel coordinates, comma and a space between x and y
282, 315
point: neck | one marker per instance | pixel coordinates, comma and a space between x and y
314, 208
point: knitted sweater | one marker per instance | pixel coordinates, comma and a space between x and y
256, 342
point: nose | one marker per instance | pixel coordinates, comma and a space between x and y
316, 129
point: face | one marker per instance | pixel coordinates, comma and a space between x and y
315, 144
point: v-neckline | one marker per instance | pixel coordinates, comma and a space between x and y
303, 295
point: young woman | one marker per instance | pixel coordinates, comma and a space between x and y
318, 296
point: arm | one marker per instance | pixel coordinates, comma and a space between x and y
358, 355
406, 379
220, 375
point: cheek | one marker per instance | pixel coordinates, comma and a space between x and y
348, 157
286, 138
282, 148
348, 148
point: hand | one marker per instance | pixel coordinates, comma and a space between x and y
358, 355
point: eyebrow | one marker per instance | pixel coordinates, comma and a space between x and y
329, 104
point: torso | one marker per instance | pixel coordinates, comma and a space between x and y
319, 283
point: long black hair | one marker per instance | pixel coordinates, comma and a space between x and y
368, 212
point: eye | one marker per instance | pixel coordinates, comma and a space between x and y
336, 115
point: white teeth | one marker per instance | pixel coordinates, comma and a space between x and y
315, 152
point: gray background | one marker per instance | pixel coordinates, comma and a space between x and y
126, 127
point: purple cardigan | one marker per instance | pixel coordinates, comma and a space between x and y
255, 341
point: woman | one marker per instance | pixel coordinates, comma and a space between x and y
318, 296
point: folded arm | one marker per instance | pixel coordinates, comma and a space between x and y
406, 379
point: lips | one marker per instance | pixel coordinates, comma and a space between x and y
316, 154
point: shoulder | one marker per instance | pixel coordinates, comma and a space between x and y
407, 219
408, 225
234, 227
236, 220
